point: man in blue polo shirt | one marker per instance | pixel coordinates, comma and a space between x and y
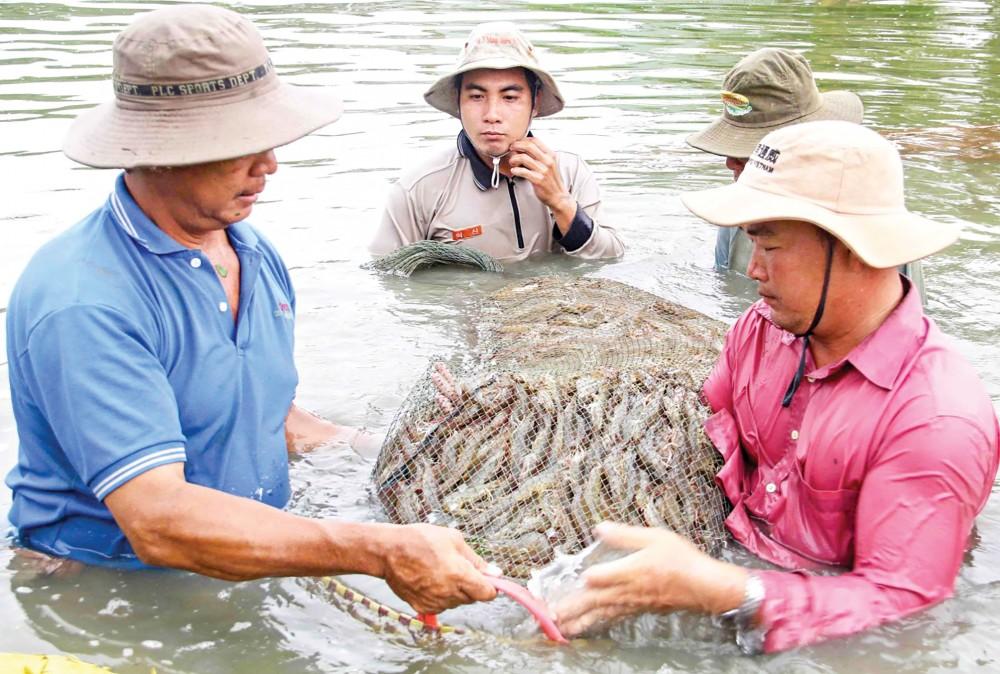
150, 346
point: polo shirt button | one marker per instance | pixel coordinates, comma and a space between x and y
795, 435
223, 307
771, 488
196, 262
811, 379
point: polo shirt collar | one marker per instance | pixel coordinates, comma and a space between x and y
242, 234
127, 214
880, 357
482, 173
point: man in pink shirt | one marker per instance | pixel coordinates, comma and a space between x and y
855, 436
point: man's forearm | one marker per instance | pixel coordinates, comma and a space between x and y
224, 536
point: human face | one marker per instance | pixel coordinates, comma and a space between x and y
217, 194
788, 263
496, 109
736, 166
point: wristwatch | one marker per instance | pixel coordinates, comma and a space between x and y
749, 638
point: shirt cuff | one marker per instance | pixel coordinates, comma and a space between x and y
579, 232
115, 476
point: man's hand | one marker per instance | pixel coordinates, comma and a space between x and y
666, 573
532, 160
304, 431
432, 569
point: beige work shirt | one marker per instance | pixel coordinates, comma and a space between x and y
449, 198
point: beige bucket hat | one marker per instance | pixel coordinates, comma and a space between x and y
497, 45
194, 84
836, 175
768, 89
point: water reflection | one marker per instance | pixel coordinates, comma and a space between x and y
172, 621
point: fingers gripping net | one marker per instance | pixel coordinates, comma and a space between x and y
582, 405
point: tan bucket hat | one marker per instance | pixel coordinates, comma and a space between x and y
497, 45
194, 84
768, 89
836, 175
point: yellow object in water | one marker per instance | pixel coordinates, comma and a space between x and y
19, 663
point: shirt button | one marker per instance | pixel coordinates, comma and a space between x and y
771, 488
196, 262
795, 435
810, 379
223, 307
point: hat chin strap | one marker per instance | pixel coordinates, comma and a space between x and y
495, 179
793, 386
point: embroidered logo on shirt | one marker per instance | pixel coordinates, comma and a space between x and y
283, 311
467, 233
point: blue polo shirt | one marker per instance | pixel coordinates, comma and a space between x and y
123, 356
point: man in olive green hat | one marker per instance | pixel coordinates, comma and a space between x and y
768, 89
498, 188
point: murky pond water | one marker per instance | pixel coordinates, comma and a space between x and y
638, 76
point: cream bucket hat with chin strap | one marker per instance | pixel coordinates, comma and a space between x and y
496, 45
839, 176
194, 84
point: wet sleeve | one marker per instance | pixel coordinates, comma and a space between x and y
589, 236
401, 223
95, 377
915, 511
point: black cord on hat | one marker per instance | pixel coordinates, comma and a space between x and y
817, 317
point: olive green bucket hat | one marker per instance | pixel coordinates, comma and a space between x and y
768, 89
497, 45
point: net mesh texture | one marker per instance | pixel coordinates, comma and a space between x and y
580, 404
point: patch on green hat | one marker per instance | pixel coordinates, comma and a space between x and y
736, 105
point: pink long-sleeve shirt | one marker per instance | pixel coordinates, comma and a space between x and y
879, 466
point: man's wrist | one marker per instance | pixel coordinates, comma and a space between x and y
564, 209
750, 633
727, 588
360, 547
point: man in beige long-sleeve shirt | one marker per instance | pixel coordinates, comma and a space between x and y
499, 189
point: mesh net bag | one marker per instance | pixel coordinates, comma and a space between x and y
581, 404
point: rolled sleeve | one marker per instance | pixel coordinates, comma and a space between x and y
915, 511
106, 396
